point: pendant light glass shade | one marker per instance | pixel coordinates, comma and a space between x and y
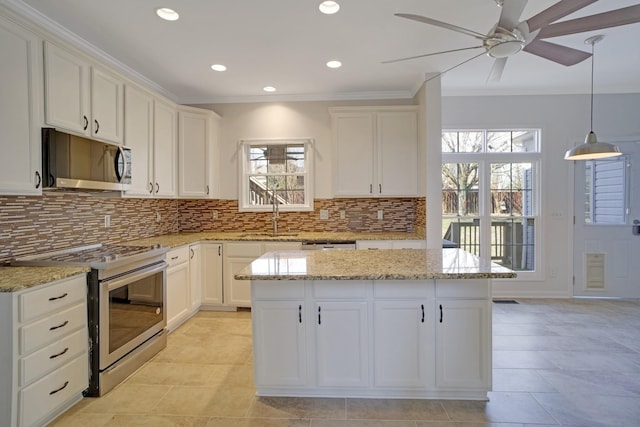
591, 148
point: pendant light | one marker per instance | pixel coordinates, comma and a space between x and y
592, 149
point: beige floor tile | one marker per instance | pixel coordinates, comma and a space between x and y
148, 420
297, 407
221, 400
396, 409
257, 422
173, 373
82, 420
361, 423
129, 398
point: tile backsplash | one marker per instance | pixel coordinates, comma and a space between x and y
58, 220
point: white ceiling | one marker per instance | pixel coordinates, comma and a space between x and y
286, 43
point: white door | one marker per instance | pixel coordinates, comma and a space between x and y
606, 204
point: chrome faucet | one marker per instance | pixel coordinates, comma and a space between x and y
276, 212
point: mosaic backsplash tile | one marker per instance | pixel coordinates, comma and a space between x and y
58, 220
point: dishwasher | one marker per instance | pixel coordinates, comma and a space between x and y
328, 245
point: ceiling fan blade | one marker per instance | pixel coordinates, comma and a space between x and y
613, 18
496, 70
555, 12
441, 24
430, 54
510, 14
455, 66
556, 53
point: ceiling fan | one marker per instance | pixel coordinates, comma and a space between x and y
510, 35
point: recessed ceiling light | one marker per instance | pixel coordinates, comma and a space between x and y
218, 67
329, 7
334, 64
269, 89
167, 14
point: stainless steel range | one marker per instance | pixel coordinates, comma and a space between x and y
126, 297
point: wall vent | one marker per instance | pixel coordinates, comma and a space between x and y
594, 274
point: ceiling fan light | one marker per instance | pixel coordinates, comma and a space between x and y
592, 149
505, 49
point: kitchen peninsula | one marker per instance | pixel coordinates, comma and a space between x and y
384, 323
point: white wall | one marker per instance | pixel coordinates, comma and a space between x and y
564, 121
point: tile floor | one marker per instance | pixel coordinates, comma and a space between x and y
556, 362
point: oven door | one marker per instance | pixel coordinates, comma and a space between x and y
132, 310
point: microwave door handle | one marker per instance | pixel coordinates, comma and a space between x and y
120, 155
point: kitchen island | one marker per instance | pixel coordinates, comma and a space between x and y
384, 323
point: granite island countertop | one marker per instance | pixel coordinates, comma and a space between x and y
392, 264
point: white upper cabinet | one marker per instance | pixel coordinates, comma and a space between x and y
138, 135
375, 151
81, 97
197, 135
165, 149
20, 110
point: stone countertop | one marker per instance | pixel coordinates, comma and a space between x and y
180, 239
13, 279
392, 264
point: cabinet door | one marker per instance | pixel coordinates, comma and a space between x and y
342, 344
401, 346
20, 110
353, 136
66, 90
165, 151
193, 147
211, 258
138, 135
236, 292
279, 343
107, 105
397, 163
196, 269
178, 300
463, 344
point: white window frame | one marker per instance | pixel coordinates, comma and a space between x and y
243, 179
484, 159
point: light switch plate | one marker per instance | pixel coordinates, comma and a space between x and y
324, 214
380, 214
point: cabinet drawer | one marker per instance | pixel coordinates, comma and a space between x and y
282, 246
243, 249
53, 356
52, 298
468, 289
52, 328
403, 289
278, 289
178, 256
327, 289
46, 395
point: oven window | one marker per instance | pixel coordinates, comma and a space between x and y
133, 309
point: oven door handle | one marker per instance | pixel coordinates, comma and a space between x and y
132, 277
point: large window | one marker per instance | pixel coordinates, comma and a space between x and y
490, 194
276, 172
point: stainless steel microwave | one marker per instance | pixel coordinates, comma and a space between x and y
70, 161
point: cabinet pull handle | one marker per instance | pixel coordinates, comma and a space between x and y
60, 297
97, 126
207, 190
300, 313
370, 188
440, 313
157, 188
173, 258
192, 253
62, 325
380, 188
86, 123
422, 307
53, 356
151, 188
220, 250
319, 318
39, 180
66, 383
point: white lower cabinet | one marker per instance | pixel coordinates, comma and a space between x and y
178, 287
372, 338
211, 269
280, 343
196, 270
238, 255
44, 349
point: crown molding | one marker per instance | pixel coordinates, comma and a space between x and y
347, 96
